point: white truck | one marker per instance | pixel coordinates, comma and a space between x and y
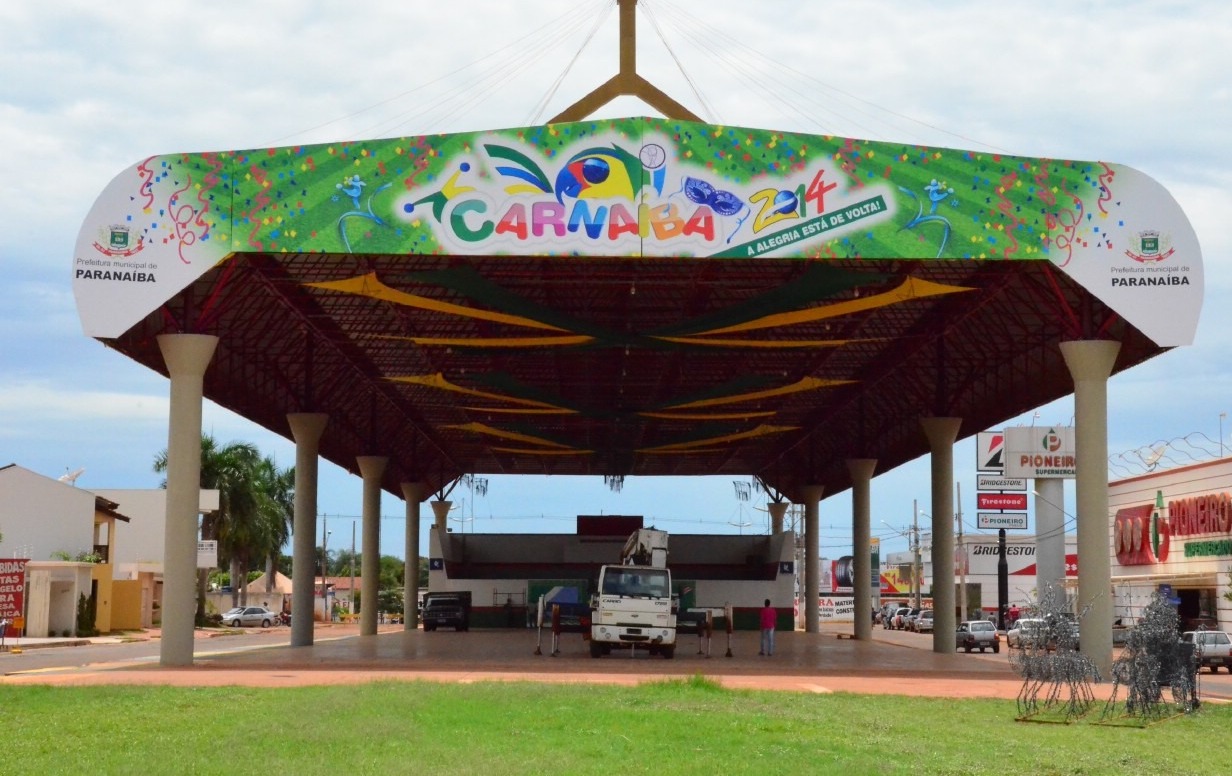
633, 607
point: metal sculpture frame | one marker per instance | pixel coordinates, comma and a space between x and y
1154, 656
1056, 677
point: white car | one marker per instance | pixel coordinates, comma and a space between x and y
249, 615
977, 634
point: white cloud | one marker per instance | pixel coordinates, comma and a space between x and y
90, 88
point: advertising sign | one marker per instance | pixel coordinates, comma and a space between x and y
1020, 558
999, 482
12, 590
207, 554
990, 452
996, 520
1001, 500
836, 609
637, 188
1040, 451
842, 575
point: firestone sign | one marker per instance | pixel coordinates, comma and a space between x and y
1001, 500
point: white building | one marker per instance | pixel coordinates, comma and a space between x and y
976, 559
59, 540
1172, 534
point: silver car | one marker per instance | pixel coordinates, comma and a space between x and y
249, 615
977, 634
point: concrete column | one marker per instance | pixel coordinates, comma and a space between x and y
1049, 536
306, 430
777, 510
861, 538
412, 493
941, 433
1090, 363
371, 468
812, 561
440, 510
187, 357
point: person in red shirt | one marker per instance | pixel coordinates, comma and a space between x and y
768, 619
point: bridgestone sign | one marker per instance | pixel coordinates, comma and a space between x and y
997, 482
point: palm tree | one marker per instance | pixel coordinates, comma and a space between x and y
276, 514
230, 470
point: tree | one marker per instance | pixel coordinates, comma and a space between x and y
276, 514
392, 572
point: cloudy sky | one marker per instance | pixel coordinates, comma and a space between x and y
88, 89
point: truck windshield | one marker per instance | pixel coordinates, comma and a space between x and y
646, 583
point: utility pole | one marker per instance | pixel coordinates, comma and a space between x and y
325, 566
1003, 580
351, 602
962, 548
916, 572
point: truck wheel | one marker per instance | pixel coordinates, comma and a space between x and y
668, 652
996, 649
596, 649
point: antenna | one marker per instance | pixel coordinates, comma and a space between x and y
70, 478
1153, 459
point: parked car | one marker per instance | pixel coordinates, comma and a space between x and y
1039, 633
977, 634
887, 612
249, 615
924, 622
903, 621
1026, 632
894, 615
1214, 648
448, 610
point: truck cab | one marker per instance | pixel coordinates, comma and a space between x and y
633, 608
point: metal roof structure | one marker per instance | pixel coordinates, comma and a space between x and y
789, 408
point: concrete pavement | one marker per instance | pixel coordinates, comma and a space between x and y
892, 662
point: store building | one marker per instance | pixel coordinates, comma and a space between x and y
1172, 534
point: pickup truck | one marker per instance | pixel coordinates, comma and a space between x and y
1214, 648
447, 609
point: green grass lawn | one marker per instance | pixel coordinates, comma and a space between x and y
675, 727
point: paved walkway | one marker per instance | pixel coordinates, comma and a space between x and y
892, 662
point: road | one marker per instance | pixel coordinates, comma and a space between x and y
51, 659
1214, 687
